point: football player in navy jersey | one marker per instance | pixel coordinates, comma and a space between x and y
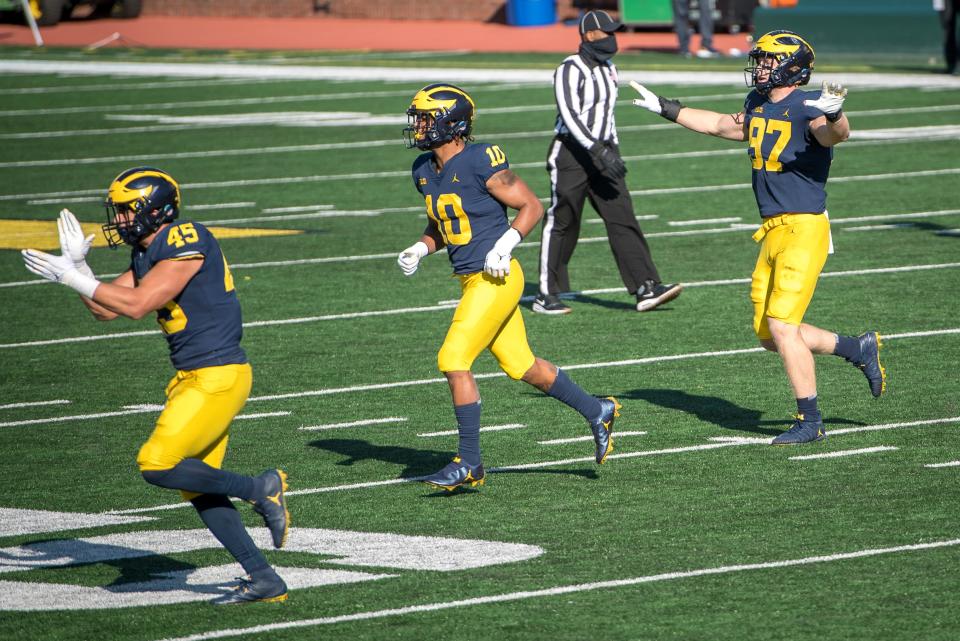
791, 135
178, 271
467, 187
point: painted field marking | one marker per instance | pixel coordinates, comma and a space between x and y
446, 304
839, 453
588, 437
241, 417
9, 406
948, 464
361, 423
562, 590
704, 221
883, 227
717, 442
489, 428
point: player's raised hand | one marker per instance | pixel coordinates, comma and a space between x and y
830, 101
73, 245
648, 100
48, 266
409, 258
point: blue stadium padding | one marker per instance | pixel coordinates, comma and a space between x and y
531, 13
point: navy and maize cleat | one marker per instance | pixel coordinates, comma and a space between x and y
273, 506
869, 362
456, 473
602, 428
266, 590
801, 432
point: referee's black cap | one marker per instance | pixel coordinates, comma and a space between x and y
598, 20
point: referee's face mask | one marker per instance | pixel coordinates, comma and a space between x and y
602, 48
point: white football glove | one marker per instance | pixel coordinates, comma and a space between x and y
72, 243
59, 269
830, 101
409, 258
497, 262
648, 100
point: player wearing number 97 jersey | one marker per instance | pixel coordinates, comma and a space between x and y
178, 270
791, 134
467, 188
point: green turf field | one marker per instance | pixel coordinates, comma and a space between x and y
694, 529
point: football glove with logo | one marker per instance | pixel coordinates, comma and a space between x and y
659, 105
497, 262
409, 258
830, 101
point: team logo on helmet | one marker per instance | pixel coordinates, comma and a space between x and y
438, 114
792, 57
138, 202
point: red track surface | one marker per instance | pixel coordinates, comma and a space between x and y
331, 33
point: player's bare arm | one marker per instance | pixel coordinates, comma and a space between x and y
163, 283
509, 189
726, 126
829, 133
100, 312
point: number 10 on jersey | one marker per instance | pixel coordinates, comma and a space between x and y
445, 204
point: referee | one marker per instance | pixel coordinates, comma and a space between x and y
584, 161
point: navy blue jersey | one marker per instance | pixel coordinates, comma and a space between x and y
202, 324
468, 217
790, 166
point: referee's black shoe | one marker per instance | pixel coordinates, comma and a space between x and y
654, 294
550, 304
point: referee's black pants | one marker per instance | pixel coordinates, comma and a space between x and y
573, 178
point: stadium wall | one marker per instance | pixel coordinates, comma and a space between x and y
475, 10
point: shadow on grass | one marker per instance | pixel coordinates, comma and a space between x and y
719, 411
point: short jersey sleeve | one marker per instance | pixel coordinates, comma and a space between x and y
808, 111
487, 160
183, 241
420, 165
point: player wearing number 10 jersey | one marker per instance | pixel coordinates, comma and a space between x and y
791, 134
178, 270
467, 188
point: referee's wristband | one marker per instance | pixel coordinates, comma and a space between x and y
834, 117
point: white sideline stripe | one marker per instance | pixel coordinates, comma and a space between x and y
563, 589
489, 428
260, 415
8, 406
76, 417
718, 442
416, 74
287, 210
948, 464
370, 421
579, 439
703, 221
838, 454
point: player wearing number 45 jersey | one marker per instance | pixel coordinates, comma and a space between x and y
791, 134
467, 188
178, 270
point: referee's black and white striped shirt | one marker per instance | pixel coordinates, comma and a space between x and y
585, 100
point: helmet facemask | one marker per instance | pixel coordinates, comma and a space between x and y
438, 114
139, 201
788, 57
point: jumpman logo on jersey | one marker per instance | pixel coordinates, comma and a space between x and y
455, 179
786, 113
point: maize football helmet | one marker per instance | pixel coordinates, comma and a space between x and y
792, 56
438, 113
152, 197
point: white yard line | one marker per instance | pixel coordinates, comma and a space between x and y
240, 417
489, 428
562, 590
361, 423
9, 406
948, 464
588, 437
444, 305
839, 453
718, 442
